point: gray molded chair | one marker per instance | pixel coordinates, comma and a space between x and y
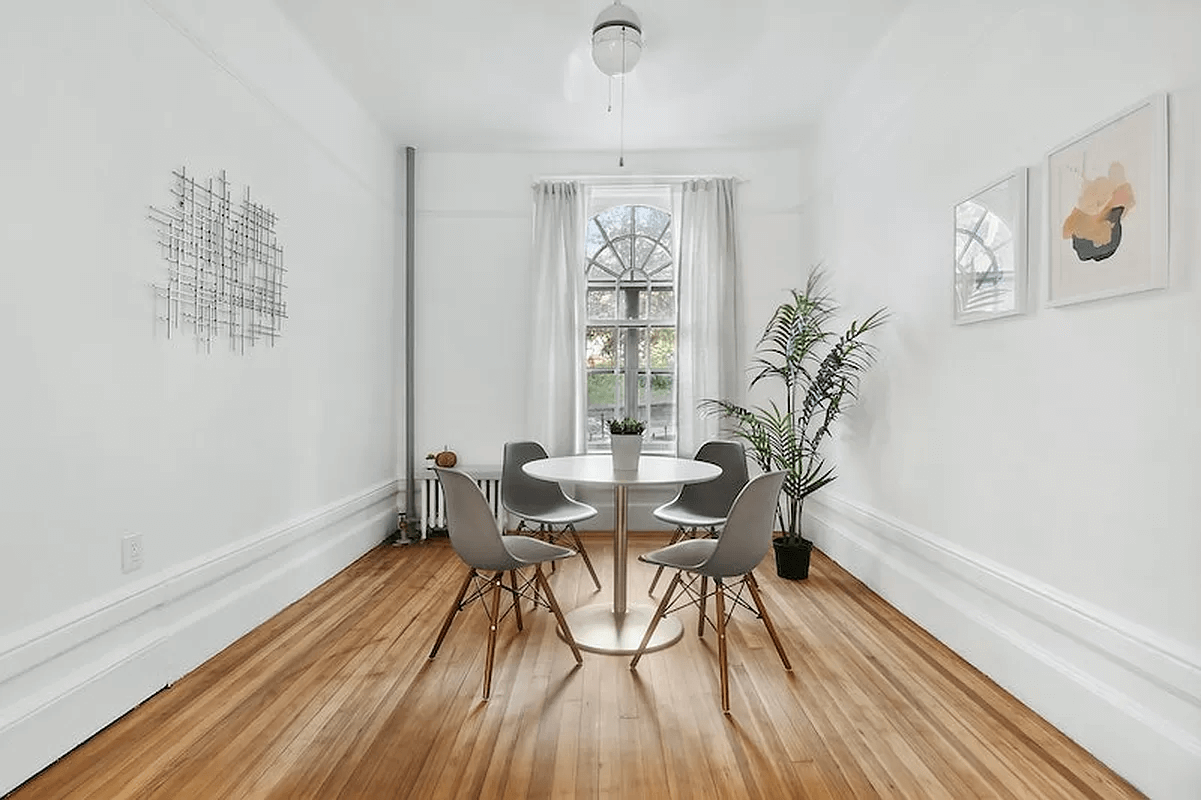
476, 538
541, 503
743, 543
704, 506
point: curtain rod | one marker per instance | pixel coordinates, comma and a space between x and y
626, 180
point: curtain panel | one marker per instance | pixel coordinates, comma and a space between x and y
557, 393
708, 311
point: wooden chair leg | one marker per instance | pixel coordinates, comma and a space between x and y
454, 609
700, 623
492, 626
659, 613
677, 536
771, 629
548, 536
719, 597
579, 546
516, 598
554, 607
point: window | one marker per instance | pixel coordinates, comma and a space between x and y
630, 335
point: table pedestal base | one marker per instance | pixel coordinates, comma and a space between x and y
598, 629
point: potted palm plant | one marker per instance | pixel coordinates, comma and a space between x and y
816, 369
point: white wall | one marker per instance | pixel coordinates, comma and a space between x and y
1026, 488
251, 477
473, 285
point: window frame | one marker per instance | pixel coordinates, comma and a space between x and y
599, 199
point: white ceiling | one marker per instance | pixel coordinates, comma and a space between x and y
500, 75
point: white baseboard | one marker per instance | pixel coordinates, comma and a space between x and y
1127, 694
67, 677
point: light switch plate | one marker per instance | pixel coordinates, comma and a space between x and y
131, 552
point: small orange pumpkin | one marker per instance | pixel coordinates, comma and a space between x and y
446, 458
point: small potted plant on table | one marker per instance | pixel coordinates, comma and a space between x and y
626, 436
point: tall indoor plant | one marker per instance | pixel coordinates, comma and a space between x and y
816, 369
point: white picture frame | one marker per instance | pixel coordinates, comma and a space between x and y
991, 247
1107, 207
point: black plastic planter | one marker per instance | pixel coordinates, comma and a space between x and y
792, 558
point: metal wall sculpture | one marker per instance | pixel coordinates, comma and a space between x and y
225, 272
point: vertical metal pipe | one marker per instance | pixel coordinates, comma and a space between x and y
620, 547
410, 426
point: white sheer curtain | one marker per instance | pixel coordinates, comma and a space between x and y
557, 398
708, 318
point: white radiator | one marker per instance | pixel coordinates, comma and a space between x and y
433, 503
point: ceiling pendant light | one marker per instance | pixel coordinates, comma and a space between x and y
616, 39
616, 48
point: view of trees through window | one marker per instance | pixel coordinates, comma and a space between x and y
630, 341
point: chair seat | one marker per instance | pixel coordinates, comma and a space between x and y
564, 512
539, 504
729, 561
688, 554
678, 514
477, 540
532, 551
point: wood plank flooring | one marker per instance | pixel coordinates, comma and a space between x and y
335, 698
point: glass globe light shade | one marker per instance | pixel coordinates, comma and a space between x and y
616, 40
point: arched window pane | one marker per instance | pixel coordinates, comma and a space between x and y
630, 344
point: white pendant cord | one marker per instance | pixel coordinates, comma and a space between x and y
621, 124
621, 151
621, 74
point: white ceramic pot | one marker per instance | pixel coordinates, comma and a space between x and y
626, 449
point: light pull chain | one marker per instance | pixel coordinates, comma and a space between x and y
621, 125
621, 153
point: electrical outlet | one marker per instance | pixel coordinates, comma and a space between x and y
131, 552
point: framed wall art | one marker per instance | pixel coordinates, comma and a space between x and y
1107, 200
990, 251
225, 267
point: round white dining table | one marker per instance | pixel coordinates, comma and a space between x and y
617, 628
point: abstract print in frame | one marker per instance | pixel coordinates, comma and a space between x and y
990, 251
1107, 199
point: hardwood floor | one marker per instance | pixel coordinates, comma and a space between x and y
334, 697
